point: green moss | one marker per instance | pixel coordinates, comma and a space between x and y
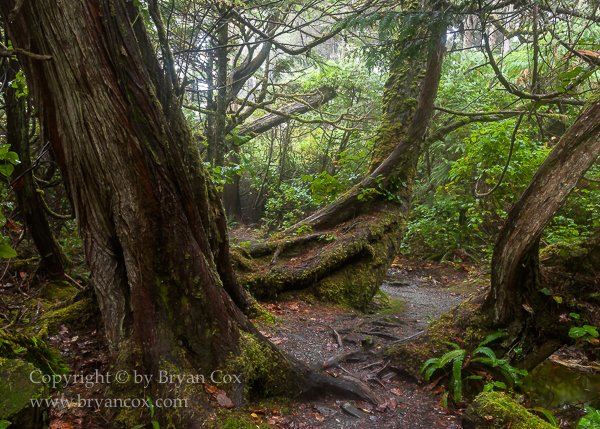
260, 368
504, 411
25, 265
16, 387
73, 316
57, 290
393, 307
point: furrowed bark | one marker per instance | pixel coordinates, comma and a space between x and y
151, 221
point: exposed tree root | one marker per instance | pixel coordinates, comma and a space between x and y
344, 265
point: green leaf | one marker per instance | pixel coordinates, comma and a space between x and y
492, 337
4, 424
488, 352
138, 426
151, 406
546, 291
6, 169
457, 378
7, 252
575, 316
591, 330
451, 356
155, 424
548, 416
577, 332
558, 299
12, 157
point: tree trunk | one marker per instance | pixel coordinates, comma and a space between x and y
532, 322
53, 260
515, 299
151, 222
345, 249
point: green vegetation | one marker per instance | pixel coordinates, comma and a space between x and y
456, 359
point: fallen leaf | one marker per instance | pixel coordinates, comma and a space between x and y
365, 406
210, 389
396, 392
224, 401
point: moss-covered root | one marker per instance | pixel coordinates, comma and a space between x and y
495, 410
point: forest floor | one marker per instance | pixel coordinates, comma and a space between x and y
414, 294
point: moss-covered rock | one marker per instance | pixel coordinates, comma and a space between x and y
496, 410
17, 393
57, 290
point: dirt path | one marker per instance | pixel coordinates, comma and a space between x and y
416, 295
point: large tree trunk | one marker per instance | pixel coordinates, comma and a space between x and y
53, 260
345, 249
151, 221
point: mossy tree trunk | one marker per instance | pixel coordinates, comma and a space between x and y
53, 260
344, 250
151, 221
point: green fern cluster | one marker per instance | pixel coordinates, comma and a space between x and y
457, 357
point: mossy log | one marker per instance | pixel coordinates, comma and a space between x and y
18, 392
494, 410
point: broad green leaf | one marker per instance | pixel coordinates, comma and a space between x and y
577, 332
6, 169
7, 252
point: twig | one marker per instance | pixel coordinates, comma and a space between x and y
369, 365
337, 336
403, 340
510, 152
74, 281
381, 369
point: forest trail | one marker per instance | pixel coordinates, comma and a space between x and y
417, 292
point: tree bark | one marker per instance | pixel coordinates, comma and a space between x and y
151, 221
53, 260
